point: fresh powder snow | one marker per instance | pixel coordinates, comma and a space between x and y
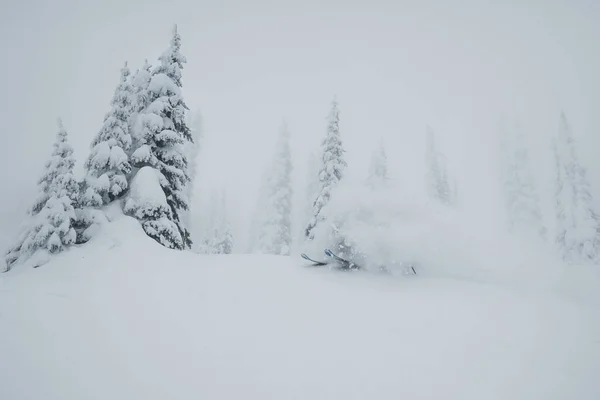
125, 318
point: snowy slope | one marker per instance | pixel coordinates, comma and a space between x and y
124, 318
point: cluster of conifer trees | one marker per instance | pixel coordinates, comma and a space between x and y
138, 160
142, 160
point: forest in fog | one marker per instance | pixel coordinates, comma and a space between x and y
315, 199
145, 161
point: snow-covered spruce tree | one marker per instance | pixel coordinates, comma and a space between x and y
437, 176
378, 170
259, 214
139, 83
275, 235
332, 170
218, 238
140, 100
107, 166
522, 201
50, 226
311, 191
578, 225
162, 135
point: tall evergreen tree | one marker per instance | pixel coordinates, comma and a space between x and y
259, 214
107, 166
311, 190
332, 170
162, 136
521, 197
378, 170
218, 238
578, 225
437, 175
50, 226
275, 236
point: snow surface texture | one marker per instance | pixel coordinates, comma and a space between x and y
125, 318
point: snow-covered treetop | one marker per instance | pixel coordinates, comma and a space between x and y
140, 83
438, 185
334, 164
171, 61
61, 147
58, 179
142, 76
107, 165
61, 162
565, 130
378, 171
115, 128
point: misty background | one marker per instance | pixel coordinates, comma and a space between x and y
394, 68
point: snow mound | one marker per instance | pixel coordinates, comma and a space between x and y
146, 193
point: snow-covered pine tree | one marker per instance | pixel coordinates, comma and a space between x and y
140, 100
522, 201
107, 166
437, 176
333, 166
561, 199
162, 136
218, 238
139, 83
578, 225
50, 226
225, 246
275, 236
378, 170
311, 191
259, 214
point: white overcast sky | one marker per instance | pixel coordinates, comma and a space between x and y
395, 66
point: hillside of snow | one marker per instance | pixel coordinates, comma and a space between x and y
125, 318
